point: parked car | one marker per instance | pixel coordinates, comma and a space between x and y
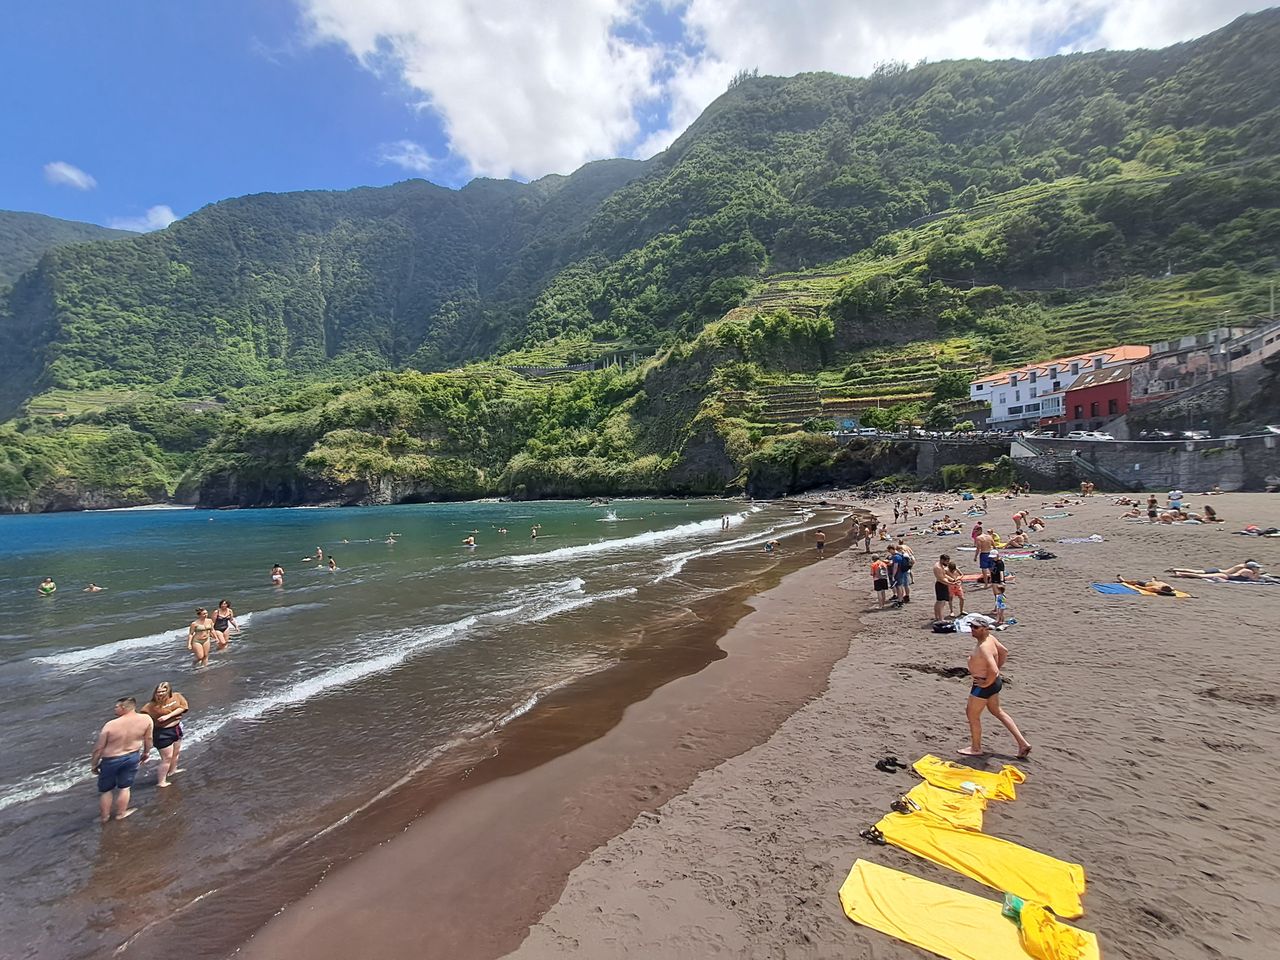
866, 432
1089, 435
1195, 434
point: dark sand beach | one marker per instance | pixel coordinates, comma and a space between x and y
1157, 744
1156, 725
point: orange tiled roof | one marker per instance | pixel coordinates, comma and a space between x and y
1124, 352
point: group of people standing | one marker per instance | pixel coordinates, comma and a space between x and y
125, 743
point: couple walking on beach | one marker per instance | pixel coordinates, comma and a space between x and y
125, 743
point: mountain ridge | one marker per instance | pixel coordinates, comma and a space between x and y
1049, 198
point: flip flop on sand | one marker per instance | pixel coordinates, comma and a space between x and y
872, 835
884, 767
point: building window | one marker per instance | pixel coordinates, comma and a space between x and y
1033, 376
1113, 407
1075, 368
1097, 363
1057, 384
1079, 411
1093, 408
1033, 393
1013, 379
1017, 394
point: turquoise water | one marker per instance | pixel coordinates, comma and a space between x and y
341, 683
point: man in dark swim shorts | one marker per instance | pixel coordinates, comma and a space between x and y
123, 743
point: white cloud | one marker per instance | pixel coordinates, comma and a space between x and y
527, 88
63, 174
521, 88
407, 154
156, 218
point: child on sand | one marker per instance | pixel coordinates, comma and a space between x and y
1002, 605
880, 579
956, 583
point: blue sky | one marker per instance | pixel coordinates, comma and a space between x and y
112, 110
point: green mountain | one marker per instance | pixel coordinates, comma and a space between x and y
26, 237
810, 246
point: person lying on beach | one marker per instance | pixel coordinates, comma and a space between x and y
1036, 524
1131, 513
985, 664
1172, 516
1250, 570
1123, 502
1151, 586
1017, 540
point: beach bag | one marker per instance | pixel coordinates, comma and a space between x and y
1044, 555
943, 626
908, 561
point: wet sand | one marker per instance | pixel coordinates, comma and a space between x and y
1156, 725
468, 879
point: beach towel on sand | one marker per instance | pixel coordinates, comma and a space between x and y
1092, 538
952, 776
961, 810
1113, 589
951, 923
1149, 592
1000, 864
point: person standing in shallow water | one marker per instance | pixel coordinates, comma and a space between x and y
985, 664
200, 636
820, 541
166, 710
123, 743
277, 575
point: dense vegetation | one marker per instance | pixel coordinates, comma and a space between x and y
26, 237
810, 246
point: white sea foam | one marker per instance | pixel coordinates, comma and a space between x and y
105, 651
676, 561
682, 531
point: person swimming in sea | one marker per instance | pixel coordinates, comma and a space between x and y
333, 564
47, 587
93, 588
277, 575
469, 542
200, 636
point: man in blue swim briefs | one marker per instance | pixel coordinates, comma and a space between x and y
985, 543
123, 743
985, 663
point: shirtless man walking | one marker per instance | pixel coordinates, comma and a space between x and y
985, 543
123, 743
941, 586
985, 663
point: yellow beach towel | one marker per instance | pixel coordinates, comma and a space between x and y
963, 810
998, 863
1149, 592
950, 776
950, 923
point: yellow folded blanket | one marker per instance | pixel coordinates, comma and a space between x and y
963, 810
950, 923
998, 863
950, 776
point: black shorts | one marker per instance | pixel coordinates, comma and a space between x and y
881, 584
941, 591
166, 736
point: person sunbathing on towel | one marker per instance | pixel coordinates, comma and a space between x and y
1250, 570
1152, 586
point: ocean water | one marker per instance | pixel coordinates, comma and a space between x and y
342, 684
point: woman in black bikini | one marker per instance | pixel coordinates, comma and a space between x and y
199, 636
223, 617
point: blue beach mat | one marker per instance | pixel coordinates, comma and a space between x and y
1113, 588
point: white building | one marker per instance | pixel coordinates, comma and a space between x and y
1023, 396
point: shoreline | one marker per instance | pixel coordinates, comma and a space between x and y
565, 721
1143, 727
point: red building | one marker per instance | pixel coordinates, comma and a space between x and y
1097, 398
